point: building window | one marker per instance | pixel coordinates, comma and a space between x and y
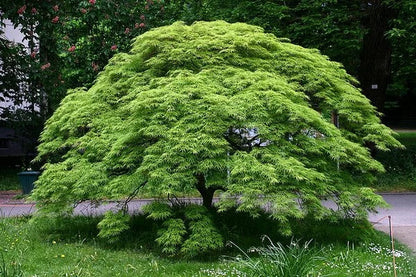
4, 143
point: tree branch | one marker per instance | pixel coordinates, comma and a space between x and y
124, 206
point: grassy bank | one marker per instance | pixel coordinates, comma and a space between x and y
69, 247
8, 179
400, 165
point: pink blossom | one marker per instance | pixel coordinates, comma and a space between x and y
22, 9
142, 17
136, 25
146, 7
55, 19
34, 11
33, 54
114, 47
92, 2
45, 66
83, 10
127, 31
142, 25
55, 8
72, 48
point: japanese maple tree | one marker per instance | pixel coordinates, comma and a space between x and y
214, 107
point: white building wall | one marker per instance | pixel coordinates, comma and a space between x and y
14, 35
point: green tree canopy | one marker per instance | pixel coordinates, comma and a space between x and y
215, 106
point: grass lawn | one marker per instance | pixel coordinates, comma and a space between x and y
69, 247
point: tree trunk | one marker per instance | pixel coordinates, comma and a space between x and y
375, 71
206, 193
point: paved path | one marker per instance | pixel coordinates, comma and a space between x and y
402, 212
12, 207
403, 217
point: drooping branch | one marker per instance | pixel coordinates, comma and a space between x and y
124, 206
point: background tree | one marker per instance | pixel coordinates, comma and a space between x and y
77, 37
371, 38
69, 42
18, 94
207, 107
402, 34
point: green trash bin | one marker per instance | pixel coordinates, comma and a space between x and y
27, 178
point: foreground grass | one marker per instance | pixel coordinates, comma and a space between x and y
343, 261
53, 254
69, 247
